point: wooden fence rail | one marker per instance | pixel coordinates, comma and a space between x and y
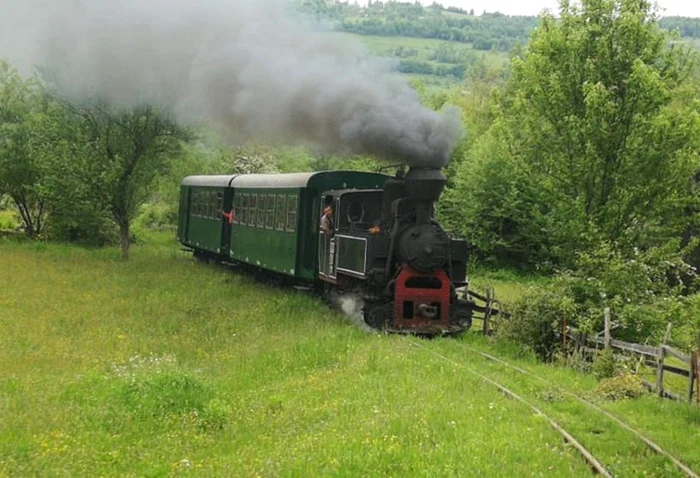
649, 355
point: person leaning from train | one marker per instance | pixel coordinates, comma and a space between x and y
327, 221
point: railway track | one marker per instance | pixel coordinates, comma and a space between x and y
656, 448
596, 464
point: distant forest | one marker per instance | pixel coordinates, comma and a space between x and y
487, 31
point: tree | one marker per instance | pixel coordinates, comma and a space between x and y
20, 114
599, 114
128, 149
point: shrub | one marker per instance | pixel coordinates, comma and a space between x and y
156, 216
537, 321
644, 291
604, 365
620, 387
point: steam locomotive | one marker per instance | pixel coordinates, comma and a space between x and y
383, 245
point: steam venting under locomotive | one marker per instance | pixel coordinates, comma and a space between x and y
390, 250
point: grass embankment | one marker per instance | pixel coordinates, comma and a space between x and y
160, 365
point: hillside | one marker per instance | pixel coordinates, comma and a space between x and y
161, 365
440, 44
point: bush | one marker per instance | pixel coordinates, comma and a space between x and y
81, 223
604, 365
156, 216
620, 387
537, 321
644, 291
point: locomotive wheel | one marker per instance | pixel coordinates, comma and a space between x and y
378, 316
460, 321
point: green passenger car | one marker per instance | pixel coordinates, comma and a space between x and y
276, 217
201, 222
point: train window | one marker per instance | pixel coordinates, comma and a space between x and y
261, 210
270, 211
207, 204
246, 208
219, 205
210, 204
197, 202
280, 212
252, 209
216, 209
240, 211
356, 212
237, 209
292, 213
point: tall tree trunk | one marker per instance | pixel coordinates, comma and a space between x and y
26, 216
124, 240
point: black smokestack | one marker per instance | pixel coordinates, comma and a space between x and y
249, 66
424, 186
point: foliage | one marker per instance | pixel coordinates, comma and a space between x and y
644, 291
537, 321
621, 386
8, 220
604, 366
485, 32
687, 27
596, 135
156, 216
127, 150
21, 116
497, 207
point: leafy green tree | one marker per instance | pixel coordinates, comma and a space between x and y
126, 151
600, 117
21, 116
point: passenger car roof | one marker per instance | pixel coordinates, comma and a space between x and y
209, 181
321, 179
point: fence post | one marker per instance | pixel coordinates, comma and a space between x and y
696, 364
606, 315
487, 314
693, 373
660, 362
564, 331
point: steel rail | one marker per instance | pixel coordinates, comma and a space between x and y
595, 464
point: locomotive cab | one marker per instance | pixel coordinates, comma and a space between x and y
356, 246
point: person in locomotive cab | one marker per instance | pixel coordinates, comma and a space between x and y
327, 221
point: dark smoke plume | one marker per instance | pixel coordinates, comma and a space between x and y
248, 66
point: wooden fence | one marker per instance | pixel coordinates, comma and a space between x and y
493, 307
654, 356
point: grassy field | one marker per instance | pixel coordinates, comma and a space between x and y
161, 365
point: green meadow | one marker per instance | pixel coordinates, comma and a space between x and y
162, 366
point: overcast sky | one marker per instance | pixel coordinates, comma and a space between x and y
687, 8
